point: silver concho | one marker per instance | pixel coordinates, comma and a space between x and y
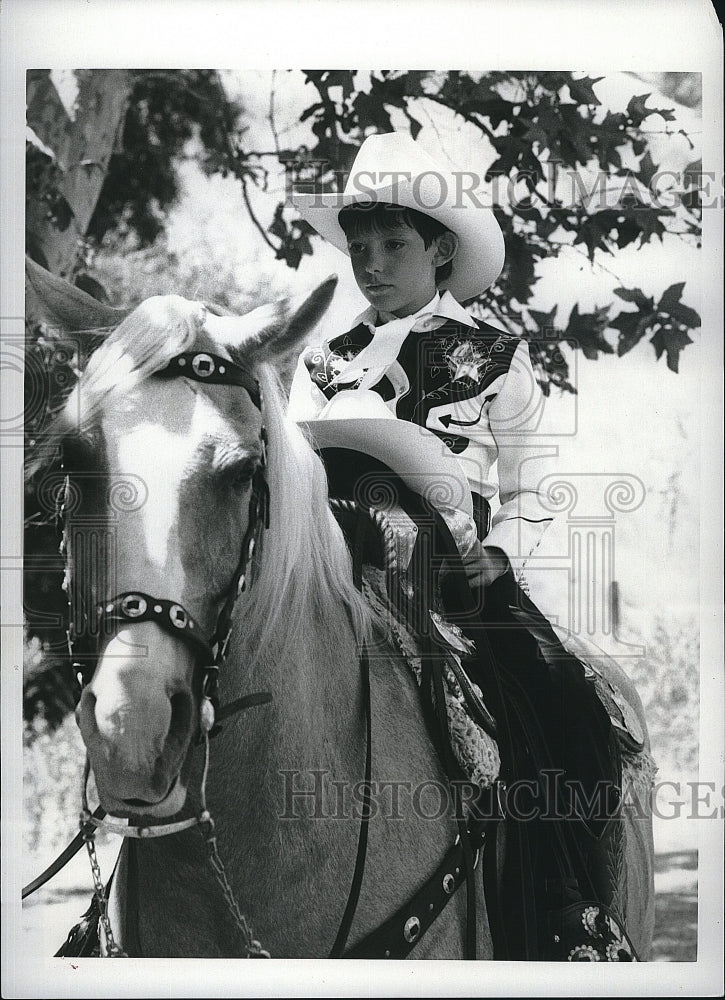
411, 929
590, 919
178, 616
206, 715
203, 365
584, 953
133, 605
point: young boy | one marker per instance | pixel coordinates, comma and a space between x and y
416, 249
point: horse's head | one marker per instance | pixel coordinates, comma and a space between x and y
163, 449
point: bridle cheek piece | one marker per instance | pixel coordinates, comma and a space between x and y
136, 606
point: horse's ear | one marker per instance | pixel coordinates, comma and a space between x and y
53, 300
272, 330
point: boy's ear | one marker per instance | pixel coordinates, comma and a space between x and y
446, 248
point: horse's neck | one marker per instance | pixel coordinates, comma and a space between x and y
278, 774
284, 789
316, 711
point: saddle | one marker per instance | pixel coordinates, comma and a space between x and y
552, 862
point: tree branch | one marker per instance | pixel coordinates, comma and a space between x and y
594, 263
253, 217
270, 114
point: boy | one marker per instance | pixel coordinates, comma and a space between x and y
416, 250
429, 360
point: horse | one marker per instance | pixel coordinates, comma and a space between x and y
171, 469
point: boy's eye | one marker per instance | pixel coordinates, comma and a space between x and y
356, 247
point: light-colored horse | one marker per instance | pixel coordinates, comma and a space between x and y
284, 778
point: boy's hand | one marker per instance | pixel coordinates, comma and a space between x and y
484, 565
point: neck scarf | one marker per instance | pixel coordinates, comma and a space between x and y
375, 359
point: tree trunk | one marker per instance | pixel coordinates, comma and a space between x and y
82, 143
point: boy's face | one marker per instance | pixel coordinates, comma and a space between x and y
393, 269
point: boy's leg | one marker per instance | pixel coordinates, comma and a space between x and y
558, 726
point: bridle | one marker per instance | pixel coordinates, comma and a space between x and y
134, 607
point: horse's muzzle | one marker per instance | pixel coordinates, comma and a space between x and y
137, 738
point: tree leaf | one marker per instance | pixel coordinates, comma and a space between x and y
586, 331
494, 108
370, 111
520, 274
581, 90
685, 315
609, 135
671, 342
278, 226
637, 296
647, 168
341, 78
637, 110
545, 321
593, 233
670, 297
632, 327
648, 221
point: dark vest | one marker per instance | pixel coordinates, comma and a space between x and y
453, 363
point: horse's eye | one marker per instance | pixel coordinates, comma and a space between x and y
239, 476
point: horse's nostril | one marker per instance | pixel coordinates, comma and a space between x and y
181, 708
86, 712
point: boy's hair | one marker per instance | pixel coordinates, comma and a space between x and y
366, 217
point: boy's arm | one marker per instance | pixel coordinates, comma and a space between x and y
514, 418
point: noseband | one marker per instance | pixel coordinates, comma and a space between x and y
133, 607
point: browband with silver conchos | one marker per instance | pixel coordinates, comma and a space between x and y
200, 366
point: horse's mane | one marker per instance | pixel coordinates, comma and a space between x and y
304, 567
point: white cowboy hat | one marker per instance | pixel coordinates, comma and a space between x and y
418, 182
359, 420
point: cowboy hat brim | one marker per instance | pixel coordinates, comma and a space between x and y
417, 183
421, 459
480, 255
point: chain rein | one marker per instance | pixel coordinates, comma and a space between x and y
135, 606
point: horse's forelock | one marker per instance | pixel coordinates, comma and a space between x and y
144, 343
